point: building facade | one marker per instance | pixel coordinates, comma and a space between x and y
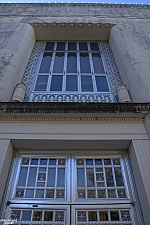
74, 114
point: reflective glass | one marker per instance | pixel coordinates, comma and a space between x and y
86, 83
56, 83
101, 194
37, 216
83, 46
61, 177
91, 193
39, 193
71, 83
22, 176
52, 162
101, 83
34, 161
59, 62
94, 46
41, 83
71, 46
103, 216
114, 215
48, 216
51, 177
97, 63
60, 46
90, 177
92, 216
50, 194
80, 177
43, 161
32, 177
109, 177
89, 161
49, 46
26, 216
72, 62
84, 63
98, 162
29, 193
119, 178
46, 62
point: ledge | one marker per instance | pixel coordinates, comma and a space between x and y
71, 107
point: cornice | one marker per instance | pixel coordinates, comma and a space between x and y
72, 107
72, 119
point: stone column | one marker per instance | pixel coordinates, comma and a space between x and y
139, 154
14, 58
130, 43
6, 153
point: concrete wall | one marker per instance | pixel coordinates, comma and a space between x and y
129, 39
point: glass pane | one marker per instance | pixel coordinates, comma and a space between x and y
81, 216
34, 161
37, 216
32, 177
71, 46
50, 194
56, 83
101, 194
71, 83
80, 178
29, 193
91, 194
111, 194
22, 176
52, 162
43, 161
59, 62
107, 161
109, 177
97, 63
90, 177
84, 63
39, 193
89, 161
41, 184
101, 83
26, 216
41, 83
94, 46
46, 62
114, 215
72, 62
83, 46
51, 177
49, 46
60, 46
119, 178
48, 216
61, 177
103, 216
86, 83
98, 162
92, 216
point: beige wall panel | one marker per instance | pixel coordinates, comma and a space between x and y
6, 153
131, 48
67, 130
14, 58
139, 153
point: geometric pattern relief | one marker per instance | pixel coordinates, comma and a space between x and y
111, 67
32, 68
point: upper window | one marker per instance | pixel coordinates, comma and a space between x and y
72, 67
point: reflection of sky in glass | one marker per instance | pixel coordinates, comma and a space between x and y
79, 1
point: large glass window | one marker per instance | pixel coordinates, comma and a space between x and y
72, 67
84, 190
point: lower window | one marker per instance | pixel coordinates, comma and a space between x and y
71, 189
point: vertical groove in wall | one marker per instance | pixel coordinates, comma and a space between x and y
140, 161
6, 153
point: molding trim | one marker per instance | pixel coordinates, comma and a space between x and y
84, 119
